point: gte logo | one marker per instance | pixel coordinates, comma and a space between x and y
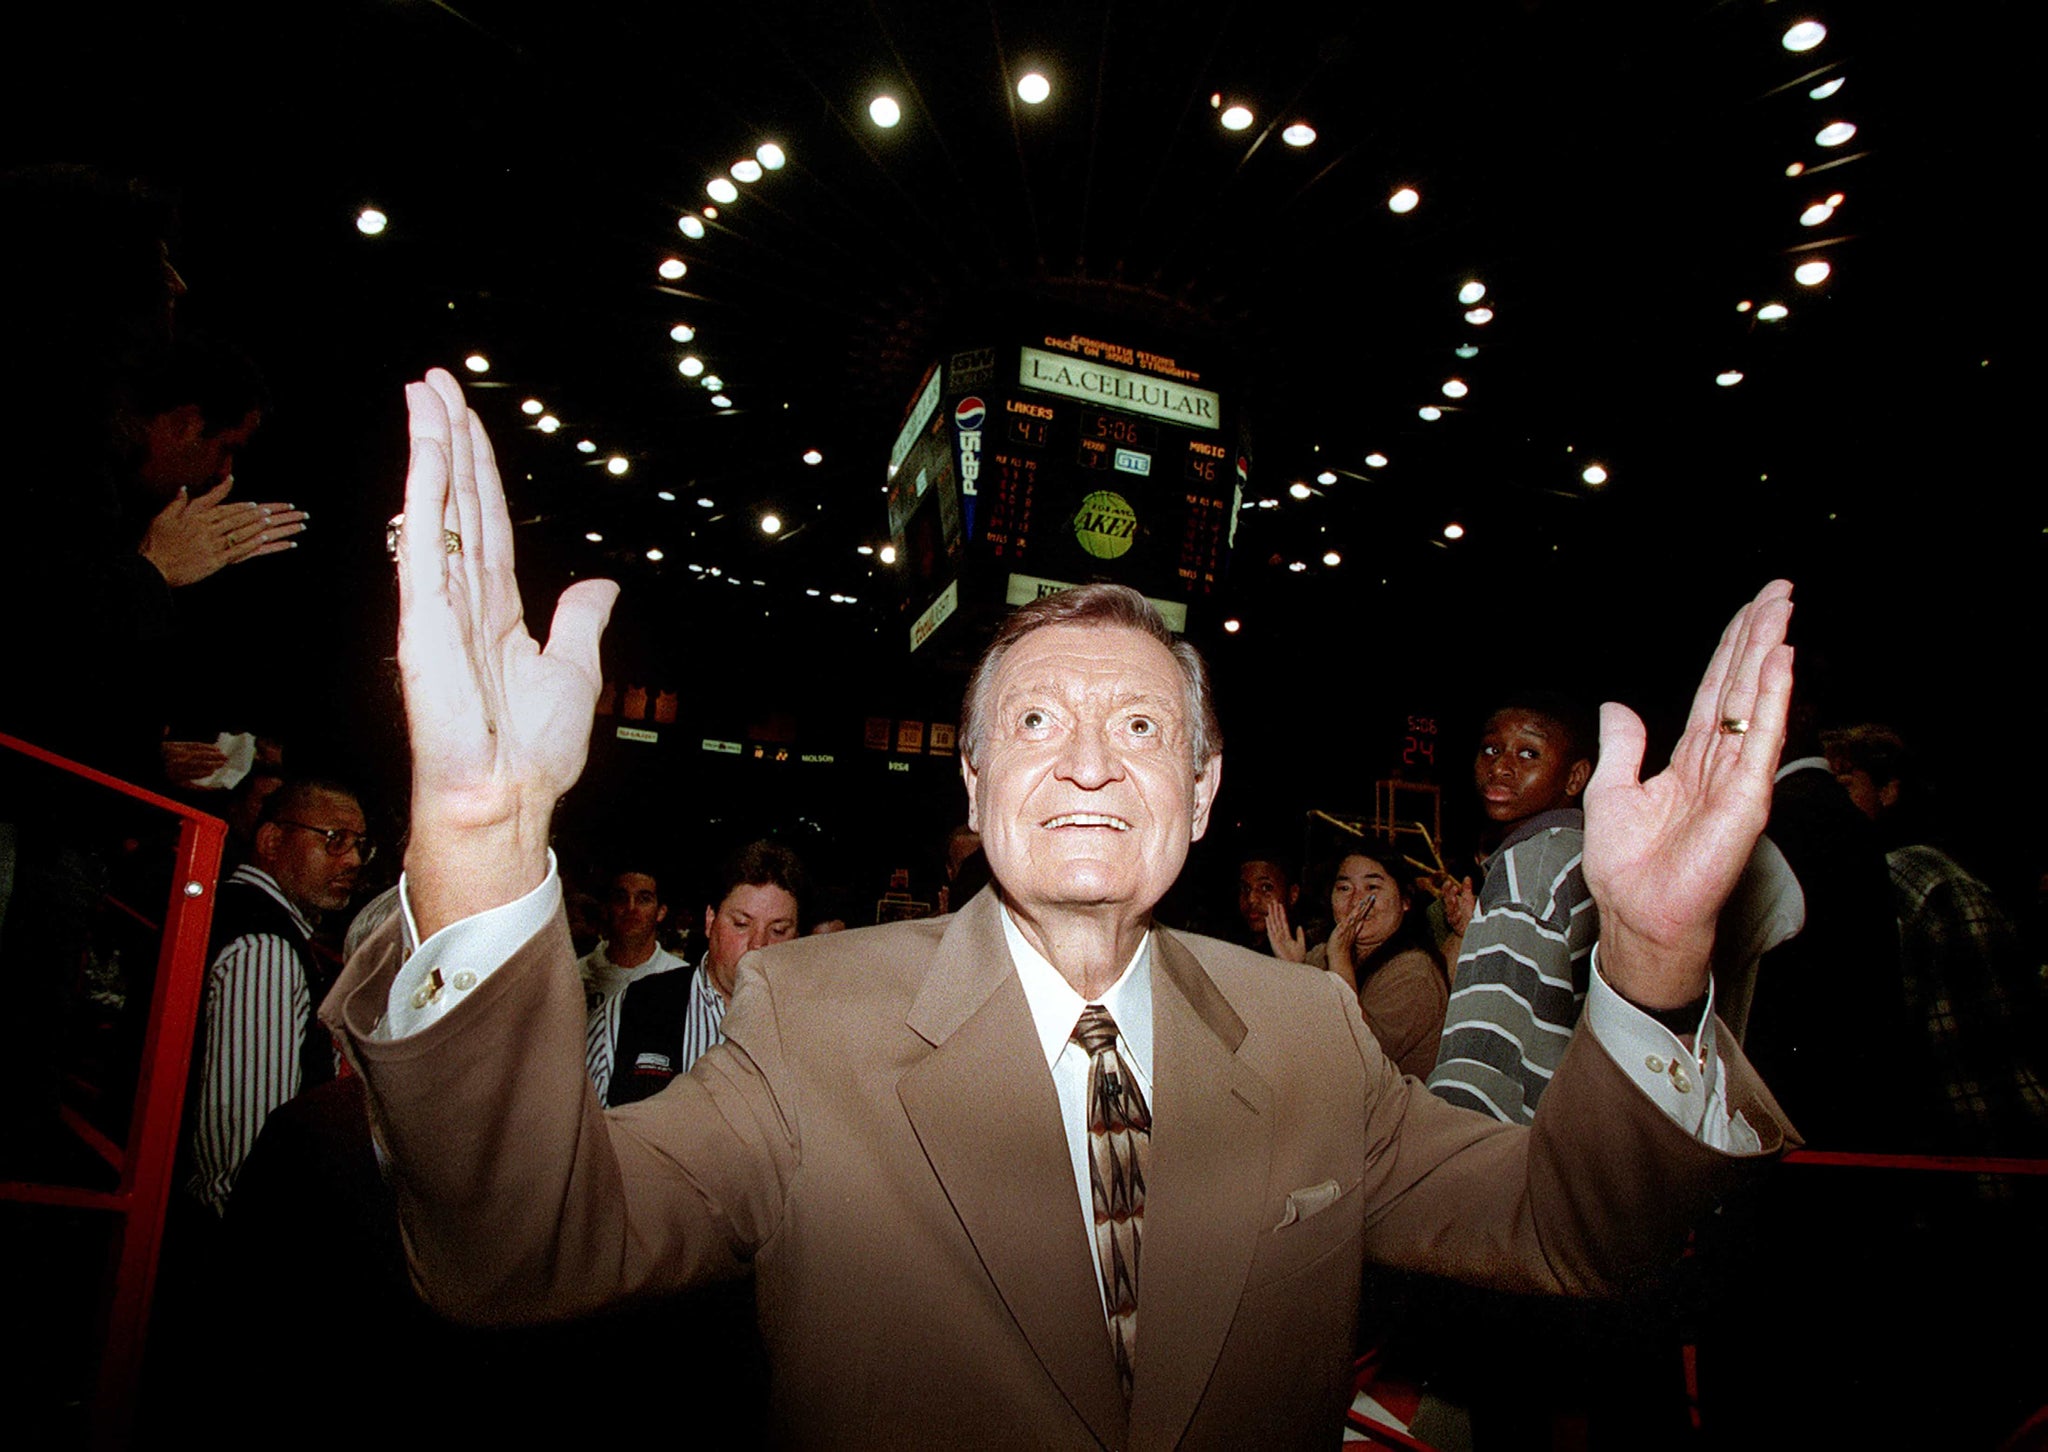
968, 416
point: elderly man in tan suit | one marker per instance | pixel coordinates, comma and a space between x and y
1042, 1173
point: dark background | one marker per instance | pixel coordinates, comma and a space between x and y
1613, 172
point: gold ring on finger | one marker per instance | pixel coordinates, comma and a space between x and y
1734, 725
451, 541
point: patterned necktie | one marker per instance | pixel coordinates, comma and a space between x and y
1119, 1127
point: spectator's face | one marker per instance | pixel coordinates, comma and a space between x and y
1259, 886
633, 910
183, 455
1870, 798
296, 853
1361, 879
1085, 795
1524, 766
753, 915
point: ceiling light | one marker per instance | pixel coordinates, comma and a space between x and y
682, 332
586, 446
1466, 350
1297, 566
1375, 461
1834, 133
1744, 306
1834, 199
814, 594
1594, 474
1429, 413
719, 400
1816, 214
477, 363
1728, 378
666, 496
710, 213
1471, 292
593, 536
672, 268
704, 502
884, 111
1454, 530
1299, 134
547, 423
691, 226
863, 549
1236, 118
1033, 88
1805, 35
1455, 388
812, 456
1299, 490
1795, 168
770, 155
1332, 559
1404, 200
1771, 312
617, 464
1827, 88
1269, 504
721, 189
690, 366
771, 524
656, 555
1479, 317
1811, 274
1232, 626
712, 381
532, 406
746, 169
370, 221
1326, 477
887, 554
715, 572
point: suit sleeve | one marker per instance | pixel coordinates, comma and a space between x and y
1595, 1196
520, 1197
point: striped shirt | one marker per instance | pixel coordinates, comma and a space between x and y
1522, 973
258, 1009
705, 1025
604, 988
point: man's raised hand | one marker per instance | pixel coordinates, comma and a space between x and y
1662, 855
500, 726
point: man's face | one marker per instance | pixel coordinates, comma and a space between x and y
1870, 798
753, 915
295, 852
181, 454
1085, 795
1524, 766
633, 910
1259, 886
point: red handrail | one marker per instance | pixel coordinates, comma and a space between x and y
144, 1161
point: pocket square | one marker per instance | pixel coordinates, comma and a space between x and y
1306, 1202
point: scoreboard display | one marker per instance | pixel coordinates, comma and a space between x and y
1060, 460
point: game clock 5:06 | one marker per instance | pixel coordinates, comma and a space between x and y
1418, 743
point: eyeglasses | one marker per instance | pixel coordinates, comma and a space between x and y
339, 841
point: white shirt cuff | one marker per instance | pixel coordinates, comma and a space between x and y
443, 971
1689, 1085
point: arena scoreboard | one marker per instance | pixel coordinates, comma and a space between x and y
1056, 461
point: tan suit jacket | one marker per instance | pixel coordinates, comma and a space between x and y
880, 1137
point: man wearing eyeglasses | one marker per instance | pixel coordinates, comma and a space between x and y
262, 1045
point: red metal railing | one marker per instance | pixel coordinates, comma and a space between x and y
142, 1161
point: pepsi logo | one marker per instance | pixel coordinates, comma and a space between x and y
970, 413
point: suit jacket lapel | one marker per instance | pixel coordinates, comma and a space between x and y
985, 1111
1206, 1173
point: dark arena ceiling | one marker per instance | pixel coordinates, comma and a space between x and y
1616, 175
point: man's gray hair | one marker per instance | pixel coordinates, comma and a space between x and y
1107, 607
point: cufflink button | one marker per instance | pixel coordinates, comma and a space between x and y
423, 995
1680, 1080
465, 980
1654, 1064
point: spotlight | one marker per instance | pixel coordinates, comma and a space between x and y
1332, 559
1471, 292
1299, 134
1594, 474
617, 464
1236, 118
721, 189
1826, 88
672, 268
1771, 312
477, 363
884, 111
682, 332
887, 554
1033, 88
586, 446
770, 155
547, 423
1429, 413
1454, 530
1834, 133
1811, 274
656, 555
1479, 317
690, 226
1805, 35
593, 536
1455, 388
1232, 626
1326, 477
532, 406
746, 169
1728, 378
812, 456
1404, 200
1299, 491
771, 524
371, 222
690, 366
1375, 461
